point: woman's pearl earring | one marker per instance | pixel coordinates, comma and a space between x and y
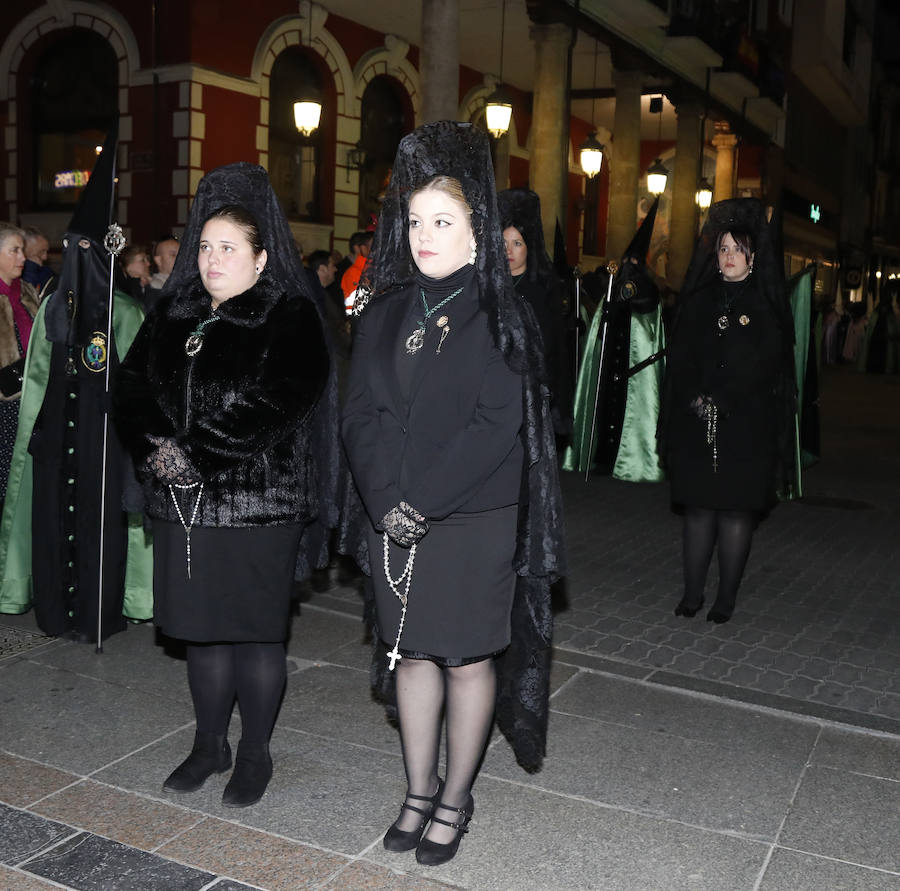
473, 256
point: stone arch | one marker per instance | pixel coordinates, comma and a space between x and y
57, 15
53, 16
389, 60
295, 31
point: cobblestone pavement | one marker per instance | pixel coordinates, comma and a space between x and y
816, 628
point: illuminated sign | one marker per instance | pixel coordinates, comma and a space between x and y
71, 179
815, 213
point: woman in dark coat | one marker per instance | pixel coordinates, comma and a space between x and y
534, 278
447, 431
727, 419
220, 400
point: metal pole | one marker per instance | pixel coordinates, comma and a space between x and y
114, 242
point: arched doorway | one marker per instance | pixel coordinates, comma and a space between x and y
74, 100
386, 116
296, 161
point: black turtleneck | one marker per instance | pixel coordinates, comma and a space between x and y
439, 288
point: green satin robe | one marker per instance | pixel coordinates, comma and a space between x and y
636, 458
16, 585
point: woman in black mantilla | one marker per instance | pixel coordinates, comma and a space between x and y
534, 278
227, 401
447, 430
727, 422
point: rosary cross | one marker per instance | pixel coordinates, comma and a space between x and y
394, 656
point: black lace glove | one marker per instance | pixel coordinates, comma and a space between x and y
404, 525
702, 407
169, 464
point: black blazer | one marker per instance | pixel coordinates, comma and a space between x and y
452, 443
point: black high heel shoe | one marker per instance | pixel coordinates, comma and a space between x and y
398, 840
430, 853
688, 611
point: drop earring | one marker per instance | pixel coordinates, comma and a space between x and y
473, 255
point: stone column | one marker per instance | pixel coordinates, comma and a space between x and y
683, 225
625, 163
725, 142
439, 62
550, 123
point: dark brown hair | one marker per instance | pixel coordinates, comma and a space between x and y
742, 239
244, 220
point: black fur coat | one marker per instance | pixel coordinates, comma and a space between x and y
239, 409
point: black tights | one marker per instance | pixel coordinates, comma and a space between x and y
703, 529
424, 692
254, 673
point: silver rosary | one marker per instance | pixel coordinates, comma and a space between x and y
394, 584
187, 526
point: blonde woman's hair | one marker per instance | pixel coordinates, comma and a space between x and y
449, 186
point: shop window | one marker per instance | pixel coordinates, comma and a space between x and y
386, 117
74, 101
295, 160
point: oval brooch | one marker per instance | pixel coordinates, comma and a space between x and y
744, 320
93, 356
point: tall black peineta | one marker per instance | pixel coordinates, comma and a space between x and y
460, 151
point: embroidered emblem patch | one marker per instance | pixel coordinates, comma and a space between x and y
94, 353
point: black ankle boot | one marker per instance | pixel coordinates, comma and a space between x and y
397, 840
252, 772
211, 754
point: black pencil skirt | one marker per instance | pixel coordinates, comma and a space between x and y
462, 588
240, 587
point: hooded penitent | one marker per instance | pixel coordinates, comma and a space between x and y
51, 531
540, 286
462, 151
617, 396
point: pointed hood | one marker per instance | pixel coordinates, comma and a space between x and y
634, 282
78, 306
640, 244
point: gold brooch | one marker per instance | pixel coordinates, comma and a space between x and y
744, 320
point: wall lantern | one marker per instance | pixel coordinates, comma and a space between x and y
498, 107
657, 175
498, 112
356, 158
307, 113
308, 108
591, 155
591, 150
704, 194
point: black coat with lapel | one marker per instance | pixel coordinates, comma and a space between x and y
446, 437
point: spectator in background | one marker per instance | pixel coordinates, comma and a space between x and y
136, 264
36, 272
360, 242
322, 270
164, 257
18, 305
